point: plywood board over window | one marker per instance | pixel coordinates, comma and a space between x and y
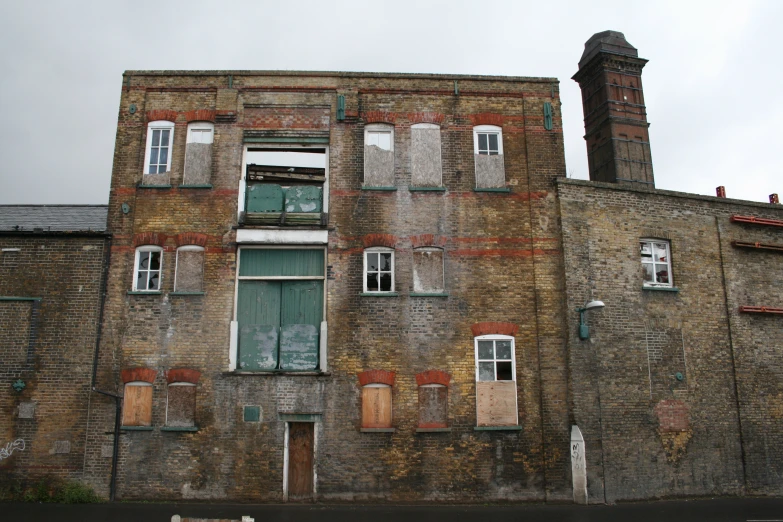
137, 404
426, 168
379, 156
376, 406
433, 406
190, 269
181, 405
496, 403
198, 153
428, 270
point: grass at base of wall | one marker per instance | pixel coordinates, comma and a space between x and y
48, 490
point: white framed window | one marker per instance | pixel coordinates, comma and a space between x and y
495, 358
656, 262
160, 136
189, 270
382, 136
379, 269
488, 140
147, 269
201, 132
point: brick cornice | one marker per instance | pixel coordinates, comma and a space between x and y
138, 374
183, 375
149, 238
376, 377
387, 240
433, 377
424, 240
379, 117
426, 117
486, 118
494, 328
162, 114
200, 115
191, 238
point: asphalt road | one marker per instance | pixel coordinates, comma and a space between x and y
711, 510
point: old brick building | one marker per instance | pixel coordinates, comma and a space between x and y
51, 272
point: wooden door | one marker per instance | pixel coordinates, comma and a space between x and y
300, 460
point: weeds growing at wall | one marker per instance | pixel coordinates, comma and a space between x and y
48, 490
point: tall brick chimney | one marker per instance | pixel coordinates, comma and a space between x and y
618, 142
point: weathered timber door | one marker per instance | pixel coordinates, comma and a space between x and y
300, 460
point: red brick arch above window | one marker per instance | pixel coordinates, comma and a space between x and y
426, 117
379, 117
387, 240
376, 377
183, 375
433, 377
162, 114
493, 328
486, 118
424, 240
191, 238
200, 115
149, 238
138, 374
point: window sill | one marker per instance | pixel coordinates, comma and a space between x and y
187, 293
661, 288
379, 294
272, 373
378, 430
411, 188
142, 292
162, 187
136, 428
203, 186
20, 298
428, 294
498, 428
179, 428
503, 190
386, 189
433, 430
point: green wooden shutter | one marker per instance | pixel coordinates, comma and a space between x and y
264, 197
300, 320
280, 262
258, 315
303, 198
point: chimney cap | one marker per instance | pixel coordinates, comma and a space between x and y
607, 41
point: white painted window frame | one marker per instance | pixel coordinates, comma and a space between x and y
371, 250
187, 248
379, 128
147, 248
495, 338
443, 260
167, 398
158, 125
198, 129
487, 129
653, 262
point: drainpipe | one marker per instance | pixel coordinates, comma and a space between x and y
117, 398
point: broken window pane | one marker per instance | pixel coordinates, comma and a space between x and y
386, 282
486, 371
504, 371
386, 262
485, 349
372, 282
647, 272
503, 349
372, 262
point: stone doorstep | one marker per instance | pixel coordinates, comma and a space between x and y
177, 518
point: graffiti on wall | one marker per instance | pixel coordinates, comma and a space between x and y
5, 451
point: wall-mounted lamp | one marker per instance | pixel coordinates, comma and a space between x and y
584, 331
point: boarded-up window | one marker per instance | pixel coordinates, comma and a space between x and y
181, 405
137, 404
488, 156
190, 269
425, 155
198, 153
496, 403
379, 155
376, 406
496, 388
433, 406
428, 270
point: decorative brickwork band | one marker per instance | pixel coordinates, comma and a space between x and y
424, 240
376, 377
491, 328
138, 374
387, 240
672, 415
200, 115
183, 375
149, 238
164, 115
433, 377
486, 118
426, 117
379, 117
191, 238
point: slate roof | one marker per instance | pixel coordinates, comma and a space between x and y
53, 218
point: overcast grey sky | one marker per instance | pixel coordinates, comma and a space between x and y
713, 86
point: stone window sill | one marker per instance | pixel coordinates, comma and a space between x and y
386, 189
202, 186
136, 428
187, 293
142, 292
498, 189
428, 294
411, 188
379, 294
377, 430
273, 373
8, 298
498, 428
661, 288
161, 187
433, 430
179, 428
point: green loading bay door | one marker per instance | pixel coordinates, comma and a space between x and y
280, 321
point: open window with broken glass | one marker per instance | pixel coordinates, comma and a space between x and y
379, 270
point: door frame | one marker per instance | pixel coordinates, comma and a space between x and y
288, 418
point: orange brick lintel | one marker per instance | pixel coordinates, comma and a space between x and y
138, 374
494, 328
183, 375
433, 377
376, 377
